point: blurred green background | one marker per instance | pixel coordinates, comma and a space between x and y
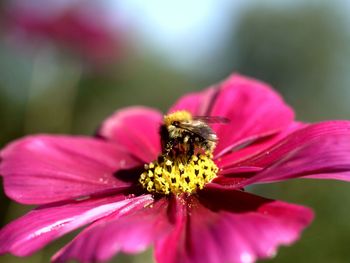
66, 65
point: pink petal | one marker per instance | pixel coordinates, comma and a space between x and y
317, 151
232, 226
42, 225
136, 129
252, 107
130, 233
43, 169
230, 159
197, 103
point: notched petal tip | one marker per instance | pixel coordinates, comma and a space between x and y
319, 150
232, 226
44, 224
130, 232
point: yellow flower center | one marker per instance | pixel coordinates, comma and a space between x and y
179, 170
176, 176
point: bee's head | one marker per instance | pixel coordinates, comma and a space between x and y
174, 119
175, 123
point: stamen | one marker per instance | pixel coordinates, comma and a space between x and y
178, 176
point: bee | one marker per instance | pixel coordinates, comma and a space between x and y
182, 134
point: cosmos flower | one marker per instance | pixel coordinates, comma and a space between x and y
184, 192
73, 28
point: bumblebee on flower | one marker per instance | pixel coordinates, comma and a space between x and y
187, 196
185, 164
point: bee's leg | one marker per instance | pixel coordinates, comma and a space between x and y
168, 147
191, 147
178, 147
164, 139
206, 146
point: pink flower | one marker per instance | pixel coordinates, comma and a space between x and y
79, 28
129, 206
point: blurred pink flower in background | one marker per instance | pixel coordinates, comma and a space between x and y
81, 27
79, 180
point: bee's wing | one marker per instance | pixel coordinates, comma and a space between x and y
199, 128
212, 119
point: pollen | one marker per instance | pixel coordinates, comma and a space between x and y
166, 176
